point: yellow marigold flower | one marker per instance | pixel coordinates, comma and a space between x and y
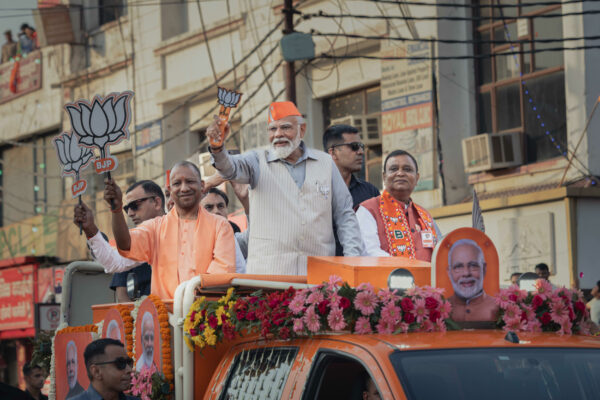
199, 341
189, 343
220, 311
211, 340
225, 299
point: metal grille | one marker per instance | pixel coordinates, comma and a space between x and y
259, 374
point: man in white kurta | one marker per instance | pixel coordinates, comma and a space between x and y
296, 193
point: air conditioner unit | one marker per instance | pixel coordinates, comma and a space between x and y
486, 151
369, 126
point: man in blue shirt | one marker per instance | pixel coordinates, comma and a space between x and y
345, 146
109, 369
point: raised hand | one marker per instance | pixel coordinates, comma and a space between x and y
84, 218
217, 132
113, 195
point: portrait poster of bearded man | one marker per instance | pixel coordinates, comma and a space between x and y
466, 266
147, 338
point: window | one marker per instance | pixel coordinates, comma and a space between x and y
335, 376
259, 373
499, 373
110, 10
504, 103
361, 109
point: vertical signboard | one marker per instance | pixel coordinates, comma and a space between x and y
407, 106
16, 297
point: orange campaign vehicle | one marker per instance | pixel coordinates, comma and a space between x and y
352, 328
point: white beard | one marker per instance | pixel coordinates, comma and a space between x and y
283, 152
467, 293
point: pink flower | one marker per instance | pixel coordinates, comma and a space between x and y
365, 302
333, 298
403, 327
391, 313
366, 286
517, 292
298, 325
513, 324
335, 319
558, 311
311, 319
427, 326
441, 325
315, 297
512, 311
565, 327
502, 299
335, 281
386, 295
533, 325
297, 304
363, 326
543, 288
527, 313
420, 310
445, 309
412, 291
385, 327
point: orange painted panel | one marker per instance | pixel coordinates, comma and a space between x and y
356, 270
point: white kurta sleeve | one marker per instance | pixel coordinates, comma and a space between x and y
109, 257
240, 261
368, 231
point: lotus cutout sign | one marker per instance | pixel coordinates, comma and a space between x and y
101, 124
228, 99
73, 158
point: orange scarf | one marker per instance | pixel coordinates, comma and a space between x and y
397, 228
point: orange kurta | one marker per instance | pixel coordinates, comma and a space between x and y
180, 249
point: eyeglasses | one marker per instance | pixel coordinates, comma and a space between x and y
354, 146
134, 205
120, 363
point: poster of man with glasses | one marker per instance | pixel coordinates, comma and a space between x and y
466, 265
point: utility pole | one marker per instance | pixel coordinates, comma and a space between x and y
290, 71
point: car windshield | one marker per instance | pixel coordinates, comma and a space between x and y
499, 373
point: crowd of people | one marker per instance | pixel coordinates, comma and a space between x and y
299, 202
27, 42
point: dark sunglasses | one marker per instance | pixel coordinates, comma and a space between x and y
121, 363
134, 205
354, 146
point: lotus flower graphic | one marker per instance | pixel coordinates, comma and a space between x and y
73, 157
102, 123
228, 98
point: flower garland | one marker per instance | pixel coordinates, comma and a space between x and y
83, 328
165, 335
546, 309
331, 306
208, 322
128, 326
134, 314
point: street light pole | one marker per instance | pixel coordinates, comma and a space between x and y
290, 71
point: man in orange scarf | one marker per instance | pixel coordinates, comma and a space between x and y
180, 245
392, 224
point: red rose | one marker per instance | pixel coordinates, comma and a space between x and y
251, 316
253, 299
512, 297
284, 333
523, 316
571, 315
223, 318
201, 327
434, 315
546, 318
409, 318
580, 306
431, 303
273, 302
213, 322
192, 315
204, 313
344, 303
323, 307
228, 331
537, 301
240, 315
407, 304
193, 332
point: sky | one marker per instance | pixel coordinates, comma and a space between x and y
12, 19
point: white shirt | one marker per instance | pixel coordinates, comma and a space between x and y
113, 262
368, 231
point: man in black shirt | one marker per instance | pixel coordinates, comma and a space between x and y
34, 381
345, 146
